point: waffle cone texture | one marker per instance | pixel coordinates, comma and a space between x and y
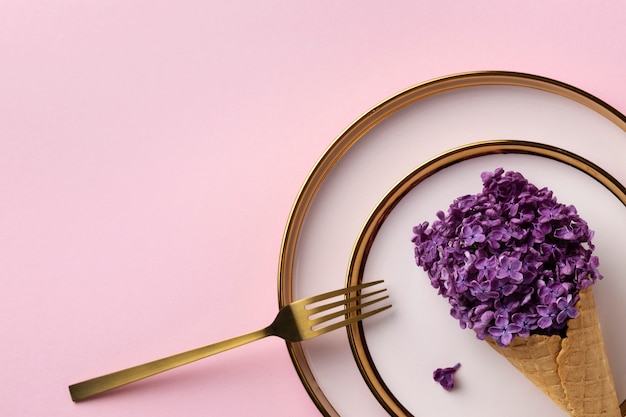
573, 371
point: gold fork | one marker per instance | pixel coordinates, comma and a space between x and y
300, 320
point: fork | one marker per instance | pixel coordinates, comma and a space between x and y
300, 320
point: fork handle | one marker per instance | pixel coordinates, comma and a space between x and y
86, 389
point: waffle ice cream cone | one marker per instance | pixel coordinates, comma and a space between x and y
573, 371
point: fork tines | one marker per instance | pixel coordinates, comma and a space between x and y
354, 302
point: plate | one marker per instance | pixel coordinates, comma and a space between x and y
373, 155
389, 349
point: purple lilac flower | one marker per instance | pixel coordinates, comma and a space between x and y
526, 323
547, 214
473, 234
548, 293
482, 290
486, 267
510, 259
547, 315
565, 306
504, 330
445, 376
510, 268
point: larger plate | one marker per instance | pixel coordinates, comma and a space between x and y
370, 158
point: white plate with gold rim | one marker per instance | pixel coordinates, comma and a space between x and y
370, 158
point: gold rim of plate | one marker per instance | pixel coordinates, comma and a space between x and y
354, 133
366, 238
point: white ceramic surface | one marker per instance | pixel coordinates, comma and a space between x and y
418, 335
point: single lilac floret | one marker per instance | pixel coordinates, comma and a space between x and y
504, 330
473, 234
486, 267
566, 309
510, 268
547, 315
445, 376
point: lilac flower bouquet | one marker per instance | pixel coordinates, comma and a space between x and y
511, 259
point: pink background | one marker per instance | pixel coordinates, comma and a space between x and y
150, 152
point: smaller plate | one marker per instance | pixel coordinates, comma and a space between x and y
397, 353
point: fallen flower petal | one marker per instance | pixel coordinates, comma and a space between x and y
445, 376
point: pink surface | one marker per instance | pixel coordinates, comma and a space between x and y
150, 152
